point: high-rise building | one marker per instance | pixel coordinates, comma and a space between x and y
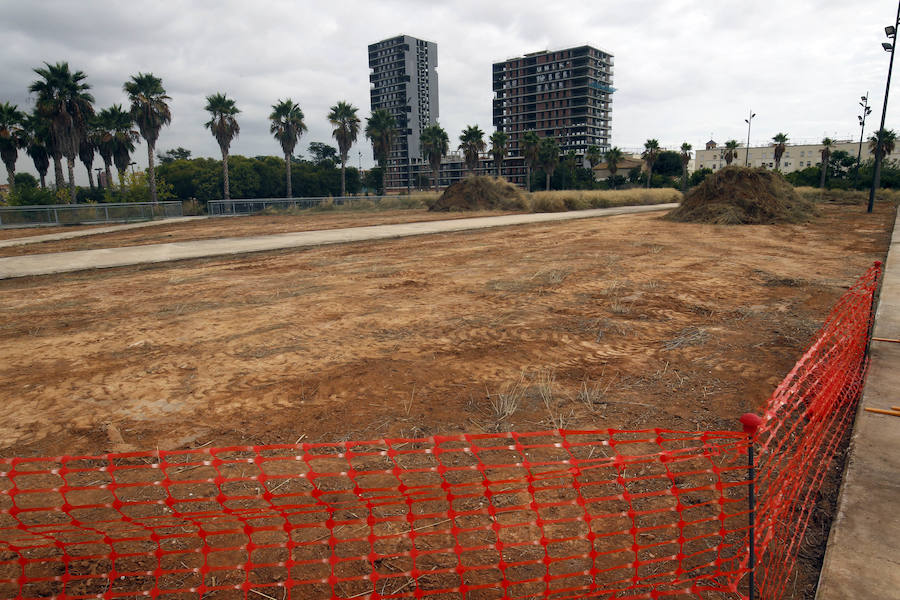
564, 94
404, 82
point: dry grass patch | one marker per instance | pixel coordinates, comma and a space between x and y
563, 200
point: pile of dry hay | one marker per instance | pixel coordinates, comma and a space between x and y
742, 196
481, 193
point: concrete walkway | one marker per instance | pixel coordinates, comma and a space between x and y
67, 235
62, 262
862, 560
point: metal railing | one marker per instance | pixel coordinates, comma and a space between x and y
249, 206
80, 214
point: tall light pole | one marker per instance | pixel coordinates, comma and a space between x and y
891, 32
748, 121
866, 111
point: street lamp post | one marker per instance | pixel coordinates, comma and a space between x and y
748, 121
866, 111
98, 169
891, 32
131, 164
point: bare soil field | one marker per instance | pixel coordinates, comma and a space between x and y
21, 232
624, 322
220, 227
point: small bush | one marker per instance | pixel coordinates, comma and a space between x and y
858, 197
191, 208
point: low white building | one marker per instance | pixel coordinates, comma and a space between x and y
796, 157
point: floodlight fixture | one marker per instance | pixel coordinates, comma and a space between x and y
891, 32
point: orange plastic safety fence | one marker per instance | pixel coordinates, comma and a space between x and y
805, 422
561, 514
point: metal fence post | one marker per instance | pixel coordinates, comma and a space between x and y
751, 423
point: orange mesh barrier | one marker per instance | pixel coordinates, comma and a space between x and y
806, 419
561, 514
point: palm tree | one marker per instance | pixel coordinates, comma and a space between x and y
62, 98
548, 157
886, 138
381, 129
150, 111
499, 149
435, 143
346, 129
571, 159
37, 145
104, 125
122, 138
649, 155
12, 137
287, 127
594, 156
827, 144
530, 143
224, 127
780, 140
471, 144
731, 147
685, 159
613, 156
86, 149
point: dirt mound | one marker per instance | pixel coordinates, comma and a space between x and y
481, 193
742, 196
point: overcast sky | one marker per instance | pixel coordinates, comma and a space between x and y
684, 69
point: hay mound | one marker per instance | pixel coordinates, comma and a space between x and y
742, 196
481, 193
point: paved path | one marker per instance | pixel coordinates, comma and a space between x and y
62, 262
67, 235
862, 561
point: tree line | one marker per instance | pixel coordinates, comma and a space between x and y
65, 124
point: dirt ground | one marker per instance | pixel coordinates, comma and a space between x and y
219, 227
622, 322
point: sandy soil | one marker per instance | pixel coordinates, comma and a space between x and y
235, 227
20, 232
623, 322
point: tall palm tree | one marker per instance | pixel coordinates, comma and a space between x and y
38, 144
499, 149
104, 125
685, 160
613, 156
62, 98
780, 140
123, 135
12, 137
150, 111
87, 148
731, 147
594, 156
530, 143
886, 138
287, 127
435, 143
472, 143
224, 127
346, 129
649, 155
381, 130
548, 157
827, 145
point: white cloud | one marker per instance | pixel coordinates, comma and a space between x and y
684, 69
